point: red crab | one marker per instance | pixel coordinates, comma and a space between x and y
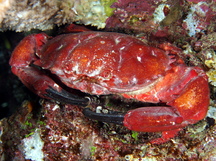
101, 63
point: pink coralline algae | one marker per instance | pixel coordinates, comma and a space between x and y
200, 16
168, 19
61, 132
133, 14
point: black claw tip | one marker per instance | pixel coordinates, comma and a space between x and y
66, 97
111, 117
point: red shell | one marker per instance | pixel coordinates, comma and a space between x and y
103, 63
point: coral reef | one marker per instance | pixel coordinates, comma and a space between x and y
88, 12
27, 15
43, 15
188, 24
5, 4
61, 132
32, 146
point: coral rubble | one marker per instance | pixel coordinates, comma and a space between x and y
43, 15
61, 132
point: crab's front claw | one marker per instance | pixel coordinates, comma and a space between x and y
190, 104
45, 87
66, 97
22, 58
188, 107
155, 119
145, 119
23, 61
110, 117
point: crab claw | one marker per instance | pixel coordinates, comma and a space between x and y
111, 117
23, 65
183, 106
143, 119
66, 97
